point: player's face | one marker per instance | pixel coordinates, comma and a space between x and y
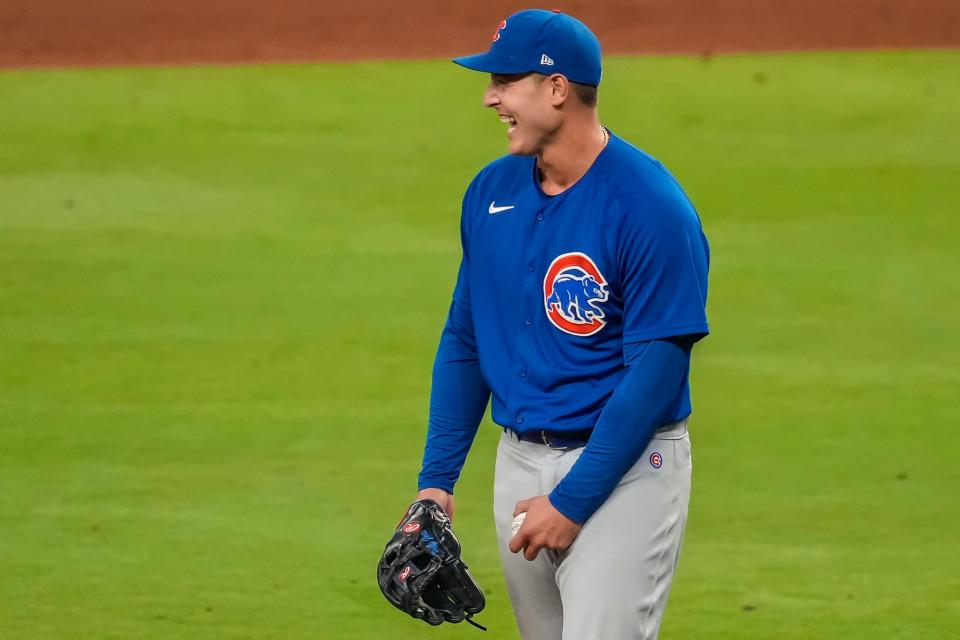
523, 102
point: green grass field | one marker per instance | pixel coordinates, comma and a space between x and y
221, 289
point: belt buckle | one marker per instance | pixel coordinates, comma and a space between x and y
548, 441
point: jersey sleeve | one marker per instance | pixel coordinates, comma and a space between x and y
663, 257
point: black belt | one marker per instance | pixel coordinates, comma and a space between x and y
556, 439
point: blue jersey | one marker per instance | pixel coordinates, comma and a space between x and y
552, 289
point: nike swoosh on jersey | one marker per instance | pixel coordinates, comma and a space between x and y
493, 209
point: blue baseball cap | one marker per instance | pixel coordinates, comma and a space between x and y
542, 41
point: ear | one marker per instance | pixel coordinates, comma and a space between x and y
559, 89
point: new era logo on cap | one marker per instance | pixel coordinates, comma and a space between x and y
547, 60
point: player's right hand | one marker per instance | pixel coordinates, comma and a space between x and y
441, 497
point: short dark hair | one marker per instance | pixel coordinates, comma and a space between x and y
588, 94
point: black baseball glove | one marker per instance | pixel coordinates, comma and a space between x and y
421, 572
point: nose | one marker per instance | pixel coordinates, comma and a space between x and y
490, 97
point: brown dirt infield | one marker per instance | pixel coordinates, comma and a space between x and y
134, 32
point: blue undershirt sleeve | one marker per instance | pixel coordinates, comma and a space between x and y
459, 393
636, 409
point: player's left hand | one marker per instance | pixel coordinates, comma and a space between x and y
544, 526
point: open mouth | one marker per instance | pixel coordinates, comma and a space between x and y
510, 121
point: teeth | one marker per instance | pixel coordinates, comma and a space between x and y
508, 120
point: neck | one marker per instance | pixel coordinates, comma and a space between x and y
569, 155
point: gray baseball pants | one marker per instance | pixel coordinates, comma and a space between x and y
612, 583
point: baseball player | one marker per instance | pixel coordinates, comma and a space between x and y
579, 297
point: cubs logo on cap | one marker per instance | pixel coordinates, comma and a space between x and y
500, 27
573, 289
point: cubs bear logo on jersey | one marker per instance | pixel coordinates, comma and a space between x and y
573, 289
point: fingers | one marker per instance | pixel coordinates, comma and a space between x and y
531, 552
529, 545
529, 542
544, 527
518, 541
523, 539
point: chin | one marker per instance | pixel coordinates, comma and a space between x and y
517, 148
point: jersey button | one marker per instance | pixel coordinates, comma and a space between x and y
530, 267
523, 373
540, 217
528, 321
519, 418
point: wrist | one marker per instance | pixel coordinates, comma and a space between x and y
566, 510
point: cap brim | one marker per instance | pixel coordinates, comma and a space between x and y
490, 64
